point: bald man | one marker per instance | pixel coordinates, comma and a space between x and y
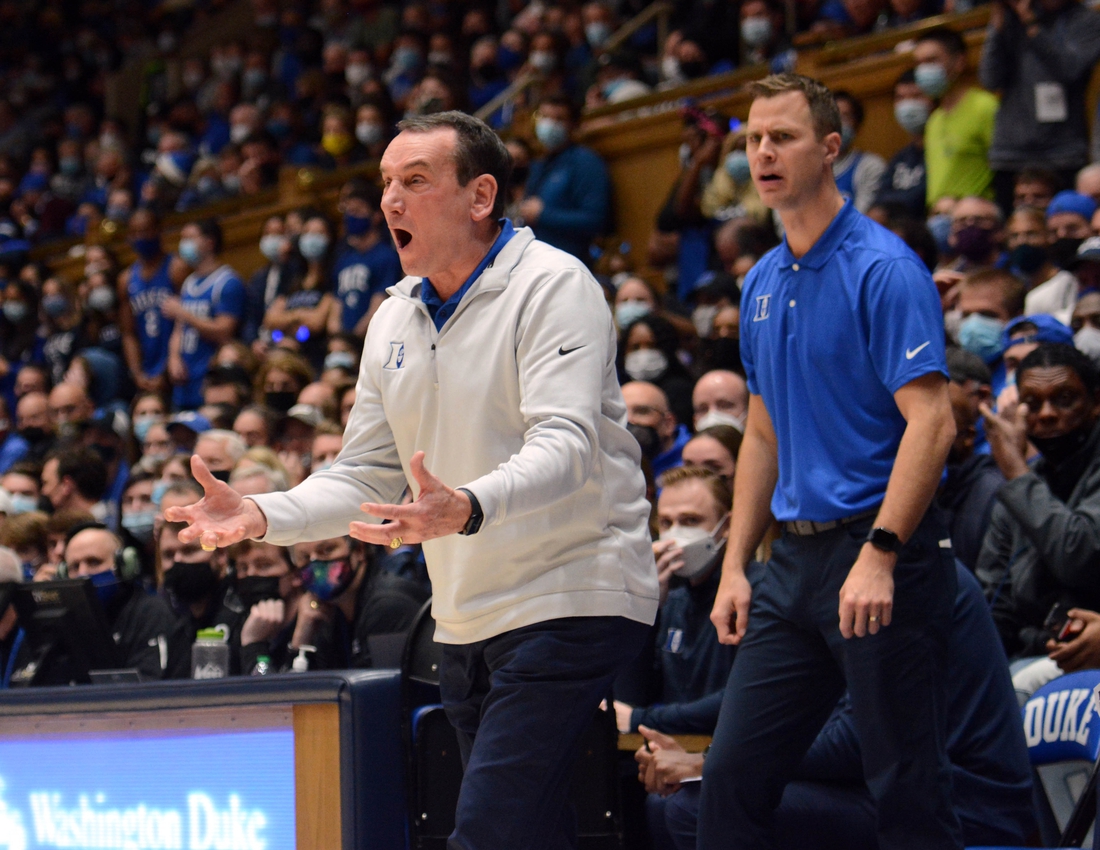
32, 420
1088, 181
720, 397
70, 407
140, 623
647, 407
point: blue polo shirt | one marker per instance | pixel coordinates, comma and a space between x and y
826, 340
441, 310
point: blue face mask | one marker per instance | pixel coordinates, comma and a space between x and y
737, 167
142, 425
596, 33
147, 249
22, 504
629, 312
189, 251
551, 134
940, 228
313, 245
140, 525
55, 306
106, 586
327, 580
931, 77
159, 489
981, 335
847, 136
356, 225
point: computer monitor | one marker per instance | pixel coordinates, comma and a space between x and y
67, 633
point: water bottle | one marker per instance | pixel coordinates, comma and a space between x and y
209, 655
263, 666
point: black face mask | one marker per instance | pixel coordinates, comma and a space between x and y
519, 175
693, 69
255, 589
221, 474
647, 438
1027, 258
34, 435
281, 401
1063, 252
1057, 450
190, 582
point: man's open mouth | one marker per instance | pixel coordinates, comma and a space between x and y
403, 237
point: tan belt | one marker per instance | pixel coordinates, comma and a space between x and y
807, 527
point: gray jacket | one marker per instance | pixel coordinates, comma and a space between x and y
1063, 54
1043, 548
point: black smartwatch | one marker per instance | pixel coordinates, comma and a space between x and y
885, 540
473, 524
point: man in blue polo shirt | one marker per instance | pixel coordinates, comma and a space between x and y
848, 428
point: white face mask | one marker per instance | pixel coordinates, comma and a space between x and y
717, 417
645, 364
700, 547
703, 319
1087, 341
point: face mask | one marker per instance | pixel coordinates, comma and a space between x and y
356, 225
278, 128
271, 246
23, 504
368, 133
189, 582
406, 58
238, 133
1027, 258
608, 89
847, 136
439, 57
974, 242
1056, 450
147, 249
55, 306
1063, 252
339, 360
508, 59
357, 74
629, 312
670, 68
737, 167
700, 549
911, 115
253, 78
159, 489
648, 439
15, 311
596, 33
645, 364
932, 79
313, 245
981, 335
33, 435
189, 251
142, 424
756, 32
70, 165
101, 299
693, 69
717, 417
221, 474
940, 228
255, 589
542, 61
140, 525
551, 134
327, 580
703, 319
106, 586
1086, 340
281, 401
336, 144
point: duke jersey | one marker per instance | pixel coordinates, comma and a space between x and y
152, 327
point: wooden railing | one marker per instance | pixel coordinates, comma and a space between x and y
659, 11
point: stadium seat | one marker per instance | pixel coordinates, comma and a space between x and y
1061, 725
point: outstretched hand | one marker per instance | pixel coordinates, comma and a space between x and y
437, 512
221, 517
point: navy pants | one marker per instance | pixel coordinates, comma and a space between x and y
792, 667
520, 702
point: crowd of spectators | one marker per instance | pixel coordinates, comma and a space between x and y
109, 385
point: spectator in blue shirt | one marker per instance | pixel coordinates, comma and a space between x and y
568, 190
366, 264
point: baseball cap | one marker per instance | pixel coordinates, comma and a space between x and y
191, 420
306, 414
1047, 329
1071, 202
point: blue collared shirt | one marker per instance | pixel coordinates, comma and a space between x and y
441, 310
826, 340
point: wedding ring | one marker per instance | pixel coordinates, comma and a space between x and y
396, 542
208, 548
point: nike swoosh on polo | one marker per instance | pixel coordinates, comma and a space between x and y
562, 350
910, 353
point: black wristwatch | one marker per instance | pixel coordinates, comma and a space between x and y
473, 524
885, 540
